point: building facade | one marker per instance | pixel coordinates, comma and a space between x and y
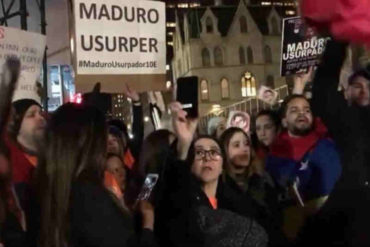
232, 49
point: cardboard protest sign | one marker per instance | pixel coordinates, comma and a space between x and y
239, 119
117, 42
301, 47
29, 48
267, 95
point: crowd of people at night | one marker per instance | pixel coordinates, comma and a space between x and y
300, 177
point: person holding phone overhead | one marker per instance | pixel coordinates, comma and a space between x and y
191, 194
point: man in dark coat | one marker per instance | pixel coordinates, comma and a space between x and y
345, 217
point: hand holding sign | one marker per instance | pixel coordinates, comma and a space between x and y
300, 81
131, 93
9, 78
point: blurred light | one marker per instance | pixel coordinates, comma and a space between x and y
131, 136
205, 91
167, 67
216, 106
146, 119
168, 84
77, 98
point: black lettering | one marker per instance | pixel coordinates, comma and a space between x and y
153, 16
153, 45
141, 15
116, 13
83, 10
122, 42
84, 47
143, 45
99, 43
127, 15
133, 43
104, 12
113, 48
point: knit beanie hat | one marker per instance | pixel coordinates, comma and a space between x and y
20, 108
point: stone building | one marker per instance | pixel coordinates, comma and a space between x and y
232, 49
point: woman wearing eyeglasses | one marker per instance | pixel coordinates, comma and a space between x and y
194, 215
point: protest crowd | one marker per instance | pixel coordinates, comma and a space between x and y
299, 177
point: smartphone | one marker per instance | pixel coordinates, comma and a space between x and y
187, 95
149, 183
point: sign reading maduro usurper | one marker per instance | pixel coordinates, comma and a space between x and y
29, 48
301, 47
119, 41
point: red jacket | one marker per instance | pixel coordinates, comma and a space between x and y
23, 165
347, 20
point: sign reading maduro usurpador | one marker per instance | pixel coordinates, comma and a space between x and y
301, 47
119, 41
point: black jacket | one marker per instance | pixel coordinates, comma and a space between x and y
96, 220
345, 217
185, 216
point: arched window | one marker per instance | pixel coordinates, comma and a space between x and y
268, 54
250, 55
219, 59
270, 81
209, 25
206, 57
241, 55
274, 26
204, 92
248, 85
225, 89
243, 24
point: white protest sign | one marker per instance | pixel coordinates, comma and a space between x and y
118, 41
29, 48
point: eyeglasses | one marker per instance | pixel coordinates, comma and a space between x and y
212, 154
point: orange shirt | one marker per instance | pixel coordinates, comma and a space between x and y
213, 201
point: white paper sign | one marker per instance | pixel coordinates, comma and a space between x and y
29, 48
120, 37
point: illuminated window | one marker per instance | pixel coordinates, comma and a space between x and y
268, 54
170, 43
241, 55
290, 12
266, 3
194, 5
219, 60
248, 85
171, 24
209, 25
243, 24
170, 33
183, 5
204, 90
225, 89
206, 58
250, 55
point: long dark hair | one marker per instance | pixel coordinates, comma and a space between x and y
255, 165
75, 150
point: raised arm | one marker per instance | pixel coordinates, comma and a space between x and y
138, 121
327, 102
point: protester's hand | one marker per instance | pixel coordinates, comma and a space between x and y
8, 81
147, 213
184, 129
300, 81
131, 93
